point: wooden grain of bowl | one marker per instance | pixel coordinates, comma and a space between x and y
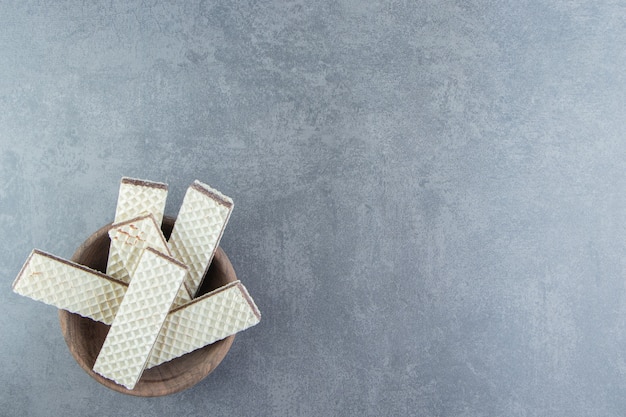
84, 337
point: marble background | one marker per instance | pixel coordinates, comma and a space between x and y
429, 195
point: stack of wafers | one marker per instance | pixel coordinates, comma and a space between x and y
148, 294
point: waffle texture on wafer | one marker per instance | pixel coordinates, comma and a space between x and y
198, 229
126, 349
128, 240
69, 286
136, 198
207, 319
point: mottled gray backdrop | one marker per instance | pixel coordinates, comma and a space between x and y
430, 204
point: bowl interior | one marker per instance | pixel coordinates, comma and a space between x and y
84, 337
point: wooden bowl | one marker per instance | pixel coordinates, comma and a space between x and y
84, 337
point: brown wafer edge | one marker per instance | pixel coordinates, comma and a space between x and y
133, 220
65, 261
238, 284
206, 190
203, 296
249, 299
167, 257
144, 183
21, 273
138, 219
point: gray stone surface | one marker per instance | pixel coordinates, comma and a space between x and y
429, 196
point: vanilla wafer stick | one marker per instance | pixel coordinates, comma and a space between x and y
153, 287
207, 319
128, 240
198, 229
136, 198
69, 286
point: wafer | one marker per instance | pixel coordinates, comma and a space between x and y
198, 230
69, 286
138, 197
128, 240
153, 287
206, 319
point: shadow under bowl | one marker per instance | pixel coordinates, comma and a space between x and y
85, 337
